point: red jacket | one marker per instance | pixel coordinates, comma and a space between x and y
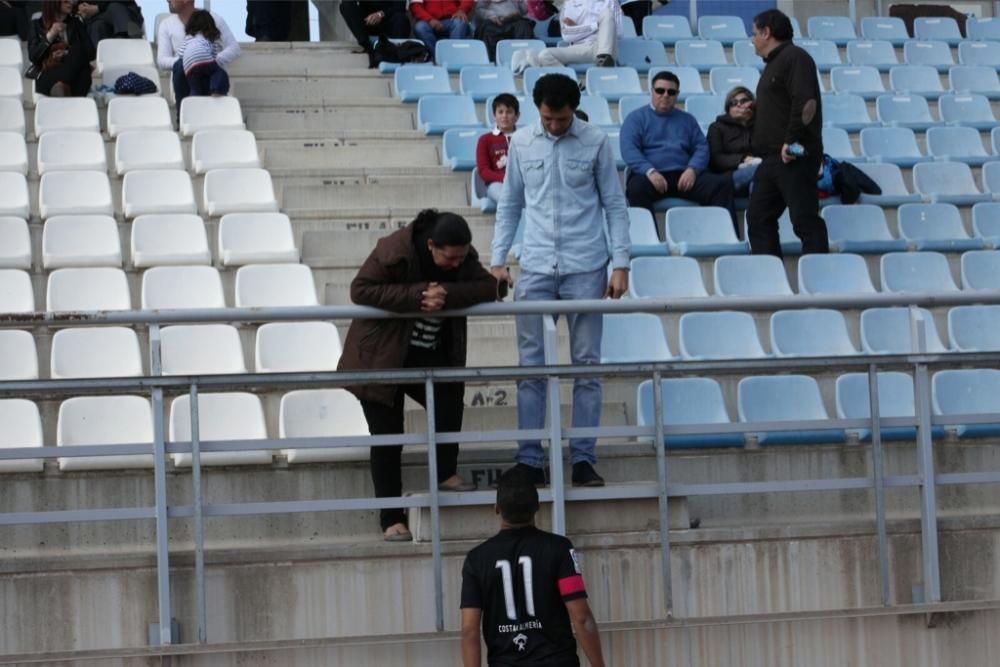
491, 156
429, 10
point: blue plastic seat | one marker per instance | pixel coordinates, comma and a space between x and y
949, 182
863, 81
705, 107
776, 398
477, 194
613, 83
931, 53
687, 402
666, 29
943, 28
920, 80
597, 110
414, 81
986, 222
542, 31
935, 227
724, 79
689, 78
630, 103
483, 81
991, 179
960, 144
873, 53
837, 144
752, 275
666, 278
641, 54
744, 55
895, 399
725, 29
454, 54
812, 332
888, 28
983, 54
896, 145
972, 391
614, 138
910, 111
633, 337
458, 148
888, 331
724, 334
837, 29
790, 243
643, 239
858, 228
916, 273
841, 273
705, 231
981, 269
974, 328
847, 112
701, 54
983, 29
890, 180
529, 112
507, 47
975, 79
533, 74
823, 51
968, 110
437, 113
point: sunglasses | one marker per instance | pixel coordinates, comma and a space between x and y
740, 101
672, 92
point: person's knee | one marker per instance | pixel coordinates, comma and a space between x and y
547, 58
423, 30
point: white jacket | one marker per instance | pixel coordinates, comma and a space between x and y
586, 14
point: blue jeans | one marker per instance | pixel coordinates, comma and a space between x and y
493, 190
742, 178
453, 29
585, 348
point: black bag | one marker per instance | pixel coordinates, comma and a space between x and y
849, 182
406, 52
134, 84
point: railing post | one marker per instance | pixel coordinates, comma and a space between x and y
551, 337
160, 493
661, 485
879, 485
432, 481
852, 11
928, 489
199, 526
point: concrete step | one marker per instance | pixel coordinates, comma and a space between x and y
310, 91
351, 156
374, 193
326, 119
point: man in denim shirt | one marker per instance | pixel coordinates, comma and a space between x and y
561, 174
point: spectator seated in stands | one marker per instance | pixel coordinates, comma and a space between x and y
491, 151
198, 53
441, 18
667, 154
590, 28
729, 141
380, 18
637, 10
61, 51
502, 19
170, 39
13, 20
118, 18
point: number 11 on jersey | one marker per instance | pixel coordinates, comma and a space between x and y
508, 586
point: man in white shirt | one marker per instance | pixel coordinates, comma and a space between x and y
170, 37
590, 28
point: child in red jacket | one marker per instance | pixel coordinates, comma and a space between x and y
491, 151
441, 18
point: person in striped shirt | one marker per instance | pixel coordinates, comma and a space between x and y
204, 74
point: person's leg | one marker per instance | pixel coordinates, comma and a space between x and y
607, 38
531, 352
641, 193
395, 25
714, 190
198, 81
637, 11
449, 407
354, 19
798, 187
458, 29
218, 80
557, 56
180, 84
742, 179
766, 206
387, 476
118, 16
493, 190
425, 33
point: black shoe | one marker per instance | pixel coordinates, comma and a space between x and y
585, 475
605, 60
536, 475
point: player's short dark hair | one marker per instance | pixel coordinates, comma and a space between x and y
556, 91
507, 100
517, 496
775, 21
668, 75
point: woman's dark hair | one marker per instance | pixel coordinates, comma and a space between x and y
202, 23
446, 229
517, 497
736, 92
556, 91
775, 21
51, 12
507, 100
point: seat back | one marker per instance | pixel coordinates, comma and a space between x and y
210, 113
239, 191
974, 79
105, 420
937, 27
724, 79
413, 81
148, 149
507, 47
890, 144
95, 352
292, 347
641, 54
454, 54
845, 110
266, 285
895, 395
705, 108
201, 349
224, 149
864, 81
932, 52
171, 287
981, 269
633, 337
915, 272
878, 54
888, 331
16, 295
824, 52
702, 54
137, 113
956, 142
840, 273
101, 288
482, 81
18, 356
814, 332
612, 83
754, 275
665, 28
930, 221
888, 28
966, 110
726, 29
838, 29
719, 335
902, 109
974, 328
256, 238
665, 277
915, 79
944, 178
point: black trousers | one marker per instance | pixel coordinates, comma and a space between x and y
637, 11
395, 25
208, 79
709, 190
120, 19
777, 186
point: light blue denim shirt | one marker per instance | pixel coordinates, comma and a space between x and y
565, 186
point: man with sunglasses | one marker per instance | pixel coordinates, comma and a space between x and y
667, 154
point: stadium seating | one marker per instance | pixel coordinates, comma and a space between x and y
71, 151
969, 391
744, 55
896, 145
111, 75
633, 337
724, 79
533, 74
754, 275
689, 78
985, 54
813, 332
252, 238
477, 194
11, 85
968, 110
172, 287
949, 182
838, 29
981, 269
454, 54
105, 420
238, 191
92, 288
66, 113
157, 191
13, 195
16, 295
878, 54
437, 113
916, 272
292, 347
890, 180
895, 399
719, 335
598, 111
201, 349
914, 80
95, 352
705, 108
665, 278
210, 113
13, 153
169, 239
641, 54
784, 398
507, 47
15, 243
322, 413
666, 29
823, 51
834, 274
863, 81
73, 193
18, 356
22, 428
612, 83
268, 285
974, 328
986, 222
701, 54
847, 112
225, 416
930, 53
11, 115
725, 29
223, 149
976, 80
147, 149
643, 238
685, 402
458, 148
482, 81
910, 111
937, 28
80, 240
958, 144
936, 227
979, 28
140, 113
837, 144
888, 331
529, 112
705, 231
122, 54
888, 28
10, 54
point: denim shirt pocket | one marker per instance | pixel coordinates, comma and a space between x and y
579, 173
533, 172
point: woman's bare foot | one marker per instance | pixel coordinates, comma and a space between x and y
456, 483
60, 89
397, 532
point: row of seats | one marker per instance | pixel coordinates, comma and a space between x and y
112, 54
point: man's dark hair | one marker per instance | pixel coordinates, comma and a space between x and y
517, 496
556, 91
668, 75
446, 229
775, 21
507, 100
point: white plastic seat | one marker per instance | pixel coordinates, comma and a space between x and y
322, 413
123, 53
11, 115
87, 289
22, 427
226, 416
224, 149
169, 239
148, 149
914, 272
11, 83
16, 295
292, 347
10, 53
210, 113
201, 349
149, 191
66, 113
752, 275
171, 287
238, 191
74, 193
80, 240
137, 113
14, 195
95, 352
105, 420
13, 152
253, 238
18, 356
15, 243
71, 150
261, 285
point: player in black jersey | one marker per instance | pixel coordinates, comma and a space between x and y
525, 588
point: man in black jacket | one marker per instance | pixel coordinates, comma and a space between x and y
788, 136
377, 18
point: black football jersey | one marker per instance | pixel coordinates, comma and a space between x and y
521, 578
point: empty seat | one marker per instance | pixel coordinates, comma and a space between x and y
14, 152
322, 413
641, 54
477, 194
726, 29
458, 148
414, 81
933, 53
895, 399
976, 80
11, 83
705, 231
18, 355
210, 113
95, 352
201, 349
265, 285
888, 28
437, 113
935, 227
982, 28
174, 287
974, 328
724, 79
687, 402
915, 272
877, 54
74, 193
942, 28
507, 47
483, 81
238, 191
223, 149
22, 427
890, 181
910, 111
986, 222
150, 191
986, 54
225, 416
169, 239
813, 332
689, 78
837, 29
949, 182
701, 54
10, 53
745, 55
16, 295
896, 145
972, 391
633, 337
612, 83
105, 420
533, 74
454, 54
597, 110
101, 288
123, 54
981, 269
11, 115
823, 52
665, 278
920, 80
863, 81
147, 149
643, 238
249, 238
293, 347
80, 240
784, 398
66, 113
705, 108
958, 144
968, 110
847, 112
15, 243
719, 335
666, 29
137, 113
888, 331
755, 275
834, 274
837, 144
